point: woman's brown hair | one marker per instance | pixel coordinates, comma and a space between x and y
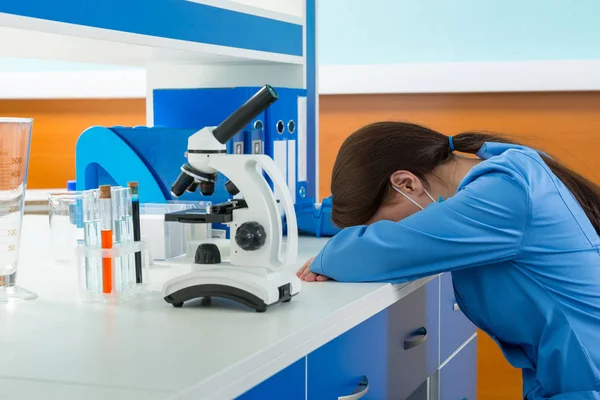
360, 181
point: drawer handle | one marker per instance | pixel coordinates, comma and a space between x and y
455, 307
421, 337
360, 391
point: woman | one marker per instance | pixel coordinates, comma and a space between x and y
518, 230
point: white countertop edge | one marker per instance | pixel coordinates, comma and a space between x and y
460, 77
457, 77
57, 85
241, 377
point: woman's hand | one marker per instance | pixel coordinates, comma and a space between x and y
307, 276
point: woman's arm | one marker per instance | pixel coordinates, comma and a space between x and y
483, 223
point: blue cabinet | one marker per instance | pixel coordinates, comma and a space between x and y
413, 344
458, 377
337, 368
289, 383
455, 328
396, 351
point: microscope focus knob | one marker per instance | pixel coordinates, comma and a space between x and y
250, 236
207, 253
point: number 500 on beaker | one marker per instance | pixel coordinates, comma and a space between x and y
15, 138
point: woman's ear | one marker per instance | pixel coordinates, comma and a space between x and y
406, 182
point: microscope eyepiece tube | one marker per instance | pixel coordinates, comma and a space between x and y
245, 114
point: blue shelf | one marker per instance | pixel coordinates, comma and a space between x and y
180, 20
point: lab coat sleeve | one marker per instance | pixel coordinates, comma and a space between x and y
483, 223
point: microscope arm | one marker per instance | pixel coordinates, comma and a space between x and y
291, 249
245, 171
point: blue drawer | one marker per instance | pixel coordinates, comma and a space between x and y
458, 378
413, 340
455, 328
289, 384
337, 368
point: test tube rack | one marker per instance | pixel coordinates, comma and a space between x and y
124, 286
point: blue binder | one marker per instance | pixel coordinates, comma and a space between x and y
281, 136
202, 107
255, 141
237, 145
302, 150
278, 132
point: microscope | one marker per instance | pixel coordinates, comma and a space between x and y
259, 272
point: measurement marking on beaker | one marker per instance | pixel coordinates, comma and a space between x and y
11, 232
10, 210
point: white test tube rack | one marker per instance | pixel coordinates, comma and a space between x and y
122, 271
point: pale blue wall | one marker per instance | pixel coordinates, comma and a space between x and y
397, 31
407, 31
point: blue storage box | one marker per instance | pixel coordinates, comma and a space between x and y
315, 218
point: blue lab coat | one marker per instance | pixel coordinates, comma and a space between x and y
525, 263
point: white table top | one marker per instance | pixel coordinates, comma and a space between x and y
57, 347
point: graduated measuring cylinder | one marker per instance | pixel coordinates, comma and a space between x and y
15, 137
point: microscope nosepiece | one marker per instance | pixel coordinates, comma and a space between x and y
193, 187
207, 188
183, 182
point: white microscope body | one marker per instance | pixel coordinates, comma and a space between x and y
260, 270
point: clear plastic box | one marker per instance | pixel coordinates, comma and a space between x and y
92, 262
168, 240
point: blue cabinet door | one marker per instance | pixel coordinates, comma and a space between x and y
337, 368
289, 383
455, 328
458, 378
413, 340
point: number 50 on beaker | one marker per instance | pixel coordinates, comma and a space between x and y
15, 138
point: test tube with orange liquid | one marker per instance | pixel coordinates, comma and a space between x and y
106, 237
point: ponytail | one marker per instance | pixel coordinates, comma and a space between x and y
585, 192
368, 157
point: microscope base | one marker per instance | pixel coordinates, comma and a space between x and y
247, 286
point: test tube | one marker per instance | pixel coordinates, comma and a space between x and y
123, 235
135, 208
92, 224
107, 238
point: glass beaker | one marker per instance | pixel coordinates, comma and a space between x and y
65, 216
15, 139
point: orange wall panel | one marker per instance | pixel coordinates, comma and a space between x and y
57, 125
567, 125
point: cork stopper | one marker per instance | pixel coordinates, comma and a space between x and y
133, 187
105, 192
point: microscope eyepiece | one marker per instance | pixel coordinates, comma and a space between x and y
245, 114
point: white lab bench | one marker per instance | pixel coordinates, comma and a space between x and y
318, 346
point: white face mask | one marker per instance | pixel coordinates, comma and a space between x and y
411, 200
